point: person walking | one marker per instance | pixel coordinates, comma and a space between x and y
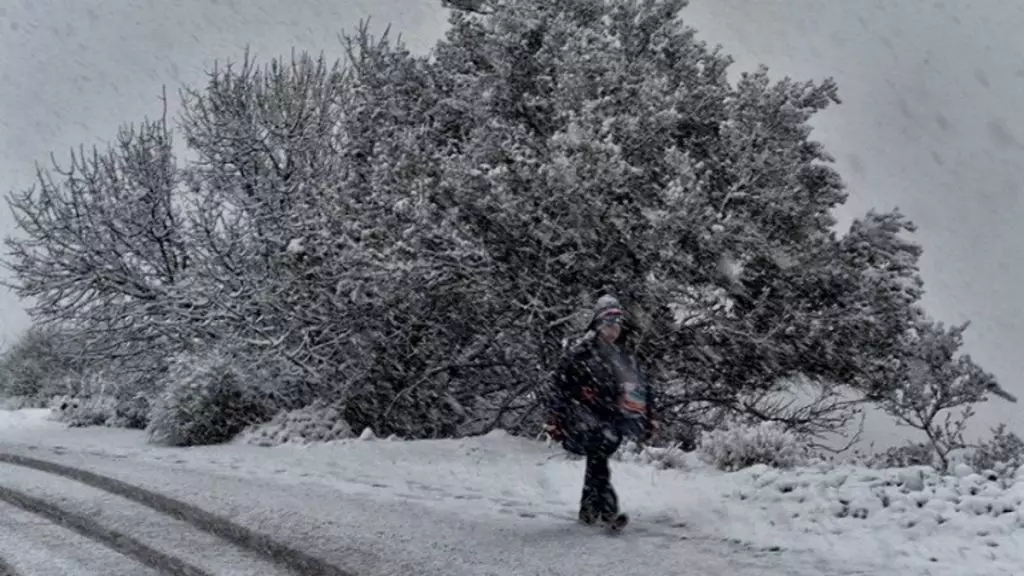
599, 395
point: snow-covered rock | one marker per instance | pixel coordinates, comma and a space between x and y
962, 470
912, 479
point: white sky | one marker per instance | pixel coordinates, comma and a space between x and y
931, 119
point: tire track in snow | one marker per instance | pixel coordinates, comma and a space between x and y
109, 537
286, 556
32, 545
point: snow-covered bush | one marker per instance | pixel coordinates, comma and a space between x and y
131, 411
662, 458
82, 411
89, 399
134, 393
741, 446
1004, 451
35, 366
315, 423
913, 454
207, 399
105, 397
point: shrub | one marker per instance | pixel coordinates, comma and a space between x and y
662, 458
1003, 452
83, 411
35, 366
207, 399
88, 400
912, 454
741, 446
131, 411
134, 394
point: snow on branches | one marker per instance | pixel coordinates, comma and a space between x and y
411, 237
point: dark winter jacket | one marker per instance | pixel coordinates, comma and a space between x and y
586, 394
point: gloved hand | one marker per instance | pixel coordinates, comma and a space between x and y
554, 431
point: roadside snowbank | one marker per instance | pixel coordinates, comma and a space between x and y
912, 516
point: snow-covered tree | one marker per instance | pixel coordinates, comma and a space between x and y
467, 5
318, 247
267, 171
413, 238
606, 149
35, 365
99, 251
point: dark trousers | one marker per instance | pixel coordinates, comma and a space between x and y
597, 439
599, 501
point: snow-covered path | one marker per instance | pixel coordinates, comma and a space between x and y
370, 531
133, 528
498, 505
33, 546
373, 522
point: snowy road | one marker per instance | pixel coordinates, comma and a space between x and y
44, 512
366, 531
495, 505
34, 546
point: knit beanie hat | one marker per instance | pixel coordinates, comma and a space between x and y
607, 310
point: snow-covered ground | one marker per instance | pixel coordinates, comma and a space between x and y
27, 540
522, 495
168, 536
